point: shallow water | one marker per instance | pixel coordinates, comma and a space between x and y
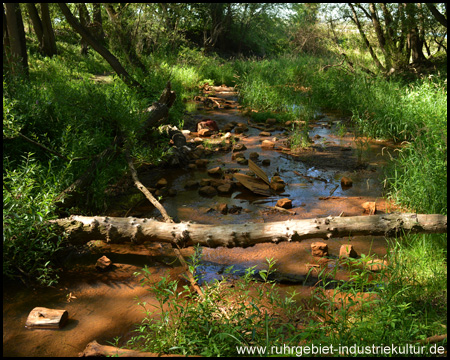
102, 306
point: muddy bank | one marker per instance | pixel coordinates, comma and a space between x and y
102, 306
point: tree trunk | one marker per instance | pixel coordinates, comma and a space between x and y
366, 41
104, 52
82, 229
84, 21
17, 50
124, 38
37, 24
49, 35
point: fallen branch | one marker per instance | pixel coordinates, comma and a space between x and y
82, 229
95, 349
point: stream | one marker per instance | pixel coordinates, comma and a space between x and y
103, 305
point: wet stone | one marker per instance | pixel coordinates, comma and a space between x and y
242, 161
191, 184
103, 263
239, 147
266, 162
347, 251
225, 188
254, 155
285, 203
265, 133
161, 183
271, 121
237, 155
208, 191
268, 144
222, 208
201, 163
346, 182
217, 171
319, 249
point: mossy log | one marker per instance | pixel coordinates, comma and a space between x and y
82, 229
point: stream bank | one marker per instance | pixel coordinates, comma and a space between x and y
102, 306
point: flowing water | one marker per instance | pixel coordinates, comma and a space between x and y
102, 306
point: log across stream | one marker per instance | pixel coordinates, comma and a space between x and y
82, 229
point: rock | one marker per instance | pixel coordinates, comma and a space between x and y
271, 121
376, 265
319, 249
265, 133
277, 186
266, 162
222, 208
208, 124
192, 166
277, 179
204, 133
191, 184
205, 182
217, 171
239, 147
172, 192
201, 163
208, 191
254, 155
238, 130
237, 155
288, 124
228, 127
178, 140
346, 182
285, 203
347, 251
369, 207
235, 210
161, 183
267, 144
103, 263
242, 161
225, 188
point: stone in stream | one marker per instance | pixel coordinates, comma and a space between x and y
208, 191
267, 144
254, 155
347, 251
319, 249
161, 183
201, 163
237, 155
285, 203
277, 183
103, 263
346, 182
265, 133
266, 162
217, 171
225, 188
222, 208
271, 121
239, 147
191, 184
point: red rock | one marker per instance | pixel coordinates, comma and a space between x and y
285, 203
103, 263
268, 144
222, 208
319, 249
204, 133
346, 182
347, 251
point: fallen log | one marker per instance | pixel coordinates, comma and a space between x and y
95, 349
82, 229
43, 318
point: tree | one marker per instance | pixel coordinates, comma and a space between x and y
400, 31
104, 52
14, 40
123, 36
